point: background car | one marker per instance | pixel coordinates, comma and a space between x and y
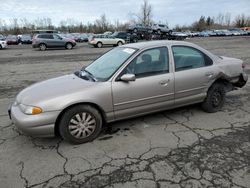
3, 43
82, 38
235, 32
101, 40
178, 36
2, 37
47, 40
161, 28
26, 39
125, 36
139, 28
12, 39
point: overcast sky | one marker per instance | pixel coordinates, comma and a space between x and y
173, 11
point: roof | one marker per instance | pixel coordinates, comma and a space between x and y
141, 45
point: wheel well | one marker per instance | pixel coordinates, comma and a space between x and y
228, 86
68, 43
42, 43
99, 109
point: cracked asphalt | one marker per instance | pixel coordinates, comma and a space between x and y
185, 147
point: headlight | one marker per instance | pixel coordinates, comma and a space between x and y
30, 110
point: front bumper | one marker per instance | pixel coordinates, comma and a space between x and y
40, 125
4, 45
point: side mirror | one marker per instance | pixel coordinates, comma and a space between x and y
128, 77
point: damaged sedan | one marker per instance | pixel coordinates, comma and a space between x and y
127, 81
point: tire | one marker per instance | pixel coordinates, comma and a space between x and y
99, 45
215, 98
1, 46
135, 30
170, 32
42, 47
69, 46
80, 124
119, 43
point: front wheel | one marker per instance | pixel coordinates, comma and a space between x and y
80, 124
69, 46
215, 98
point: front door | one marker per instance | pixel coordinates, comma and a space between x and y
153, 89
58, 42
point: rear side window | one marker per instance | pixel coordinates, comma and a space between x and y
44, 36
186, 58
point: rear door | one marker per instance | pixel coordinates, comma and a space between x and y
151, 91
193, 74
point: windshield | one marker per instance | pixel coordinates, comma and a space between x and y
106, 65
114, 34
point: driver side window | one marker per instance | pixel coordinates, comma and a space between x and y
150, 62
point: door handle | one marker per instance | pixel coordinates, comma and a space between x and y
164, 82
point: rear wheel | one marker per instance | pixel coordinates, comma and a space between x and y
42, 47
215, 98
69, 46
99, 44
119, 43
0, 46
80, 124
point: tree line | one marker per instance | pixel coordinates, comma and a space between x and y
102, 24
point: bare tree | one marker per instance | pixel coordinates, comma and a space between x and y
220, 19
102, 23
2, 24
146, 13
228, 19
242, 21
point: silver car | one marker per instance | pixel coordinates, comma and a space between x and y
161, 28
128, 81
50, 40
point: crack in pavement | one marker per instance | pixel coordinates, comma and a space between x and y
206, 163
26, 183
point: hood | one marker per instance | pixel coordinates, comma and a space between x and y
45, 91
68, 40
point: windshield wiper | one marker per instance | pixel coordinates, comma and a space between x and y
90, 75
